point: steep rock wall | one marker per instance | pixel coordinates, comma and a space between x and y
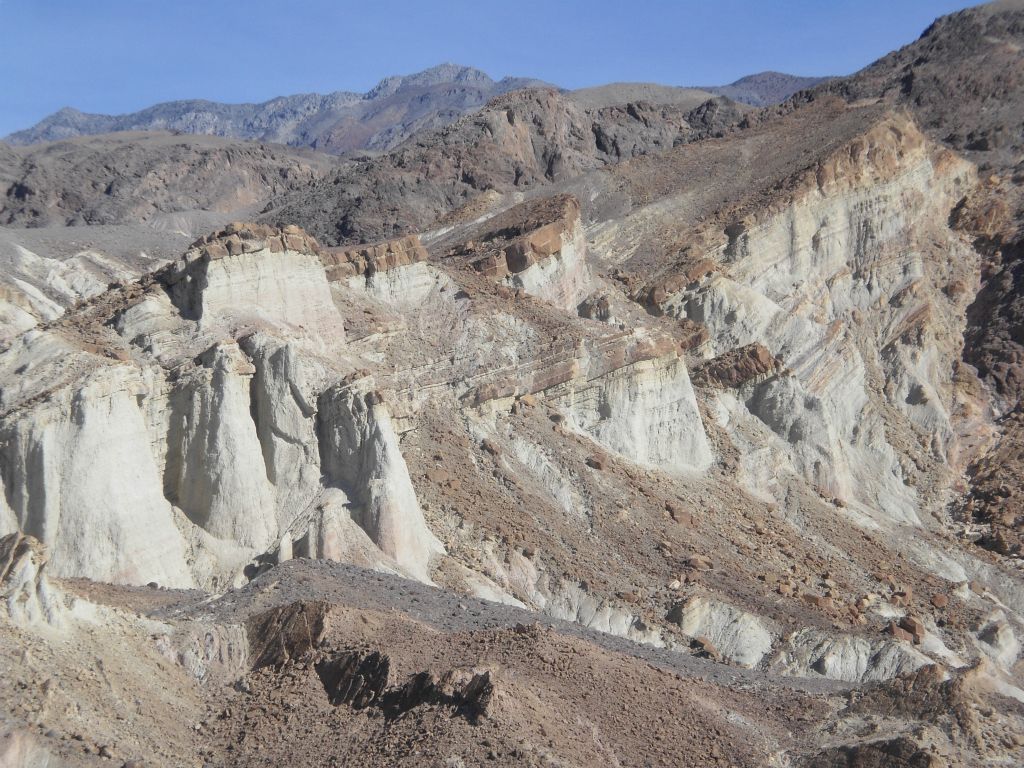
557, 270
184, 449
360, 453
847, 284
26, 592
79, 475
215, 464
249, 269
645, 411
283, 401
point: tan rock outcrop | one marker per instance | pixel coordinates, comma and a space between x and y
735, 368
342, 263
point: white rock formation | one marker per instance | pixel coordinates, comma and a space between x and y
853, 266
200, 450
571, 602
738, 635
997, 640
287, 288
811, 653
81, 477
213, 419
283, 401
361, 455
215, 465
646, 411
27, 596
35, 288
563, 278
407, 285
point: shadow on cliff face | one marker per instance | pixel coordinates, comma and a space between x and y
994, 341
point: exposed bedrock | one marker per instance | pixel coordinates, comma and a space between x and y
360, 453
554, 264
737, 635
537, 247
26, 592
442, 417
395, 272
250, 269
645, 411
215, 465
851, 284
184, 460
809, 653
80, 475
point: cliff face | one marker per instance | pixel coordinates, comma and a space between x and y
246, 425
848, 285
208, 409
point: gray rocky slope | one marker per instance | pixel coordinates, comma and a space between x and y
700, 386
521, 142
133, 178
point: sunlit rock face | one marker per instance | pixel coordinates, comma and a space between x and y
195, 446
645, 411
848, 285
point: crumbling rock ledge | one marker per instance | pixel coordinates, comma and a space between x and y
750, 363
342, 263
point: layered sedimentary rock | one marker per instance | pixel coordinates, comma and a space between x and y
80, 476
259, 435
360, 452
204, 445
645, 411
343, 263
843, 285
536, 247
393, 271
717, 402
229, 272
485, 406
735, 634
29, 598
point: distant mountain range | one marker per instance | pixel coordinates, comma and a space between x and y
337, 122
765, 88
378, 120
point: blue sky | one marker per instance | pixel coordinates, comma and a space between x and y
120, 55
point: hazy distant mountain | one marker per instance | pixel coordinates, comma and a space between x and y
336, 122
765, 88
601, 96
380, 119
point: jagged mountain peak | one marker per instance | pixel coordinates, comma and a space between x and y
442, 73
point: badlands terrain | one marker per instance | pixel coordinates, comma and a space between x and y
630, 426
